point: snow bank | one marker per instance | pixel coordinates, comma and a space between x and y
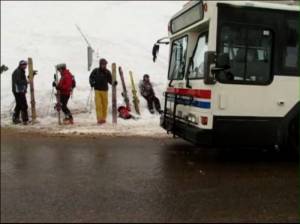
121, 31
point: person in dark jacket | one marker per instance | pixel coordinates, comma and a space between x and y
19, 89
99, 80
146, 90
65, 86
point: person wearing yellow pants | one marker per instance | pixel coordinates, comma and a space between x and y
99, 79
101, 101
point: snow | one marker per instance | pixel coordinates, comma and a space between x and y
121, 31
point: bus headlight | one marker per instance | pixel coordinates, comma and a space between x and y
192, 118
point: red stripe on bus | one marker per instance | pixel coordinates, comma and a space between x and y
199, 93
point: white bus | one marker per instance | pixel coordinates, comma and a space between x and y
233, 74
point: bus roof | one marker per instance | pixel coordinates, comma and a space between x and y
185, 7
276, 5
285, 5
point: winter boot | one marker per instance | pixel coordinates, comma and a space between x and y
16, 121
101, 122
66, 121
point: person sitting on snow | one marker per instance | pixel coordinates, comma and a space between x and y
65, 86
146, 90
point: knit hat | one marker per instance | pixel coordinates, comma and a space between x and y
23, 62
103, 61
61, 66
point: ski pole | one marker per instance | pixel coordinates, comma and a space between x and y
91, 100
72, 93
51, 100
88, 99
11, 107
88, 103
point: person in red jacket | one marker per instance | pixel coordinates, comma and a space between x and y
65, 86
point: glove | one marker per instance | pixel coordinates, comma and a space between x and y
53, 84
92, 84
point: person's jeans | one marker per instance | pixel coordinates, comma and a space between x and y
64, 99
21, 107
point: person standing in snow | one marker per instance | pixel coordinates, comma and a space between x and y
19, 89
99, 79
65, 86
146, 90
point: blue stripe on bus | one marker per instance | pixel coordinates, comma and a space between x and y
200, 104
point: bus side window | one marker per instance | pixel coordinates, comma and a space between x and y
196, 69
249, 50
291, 50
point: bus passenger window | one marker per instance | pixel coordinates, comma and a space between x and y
291, 53
249, 50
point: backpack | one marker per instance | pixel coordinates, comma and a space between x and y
124, 113
73, 82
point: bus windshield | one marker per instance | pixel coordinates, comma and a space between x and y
178, 58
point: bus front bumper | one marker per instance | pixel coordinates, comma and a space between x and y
187, 131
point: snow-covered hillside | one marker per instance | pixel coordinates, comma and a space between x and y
121, 31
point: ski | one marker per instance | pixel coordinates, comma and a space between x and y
124, 93
58, 104
31, 74
135, 98
114, 93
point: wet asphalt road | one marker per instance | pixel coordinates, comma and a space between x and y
104, 179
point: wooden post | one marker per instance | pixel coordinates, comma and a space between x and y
31, 74
114, 93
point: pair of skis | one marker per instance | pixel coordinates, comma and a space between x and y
135, 98
57, 95
124, 92
114, 93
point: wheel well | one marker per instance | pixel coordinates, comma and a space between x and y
288, 121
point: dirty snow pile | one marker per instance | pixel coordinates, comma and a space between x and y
121, 31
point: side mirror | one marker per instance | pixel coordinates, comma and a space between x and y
155, 51
3, 68
209, 61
